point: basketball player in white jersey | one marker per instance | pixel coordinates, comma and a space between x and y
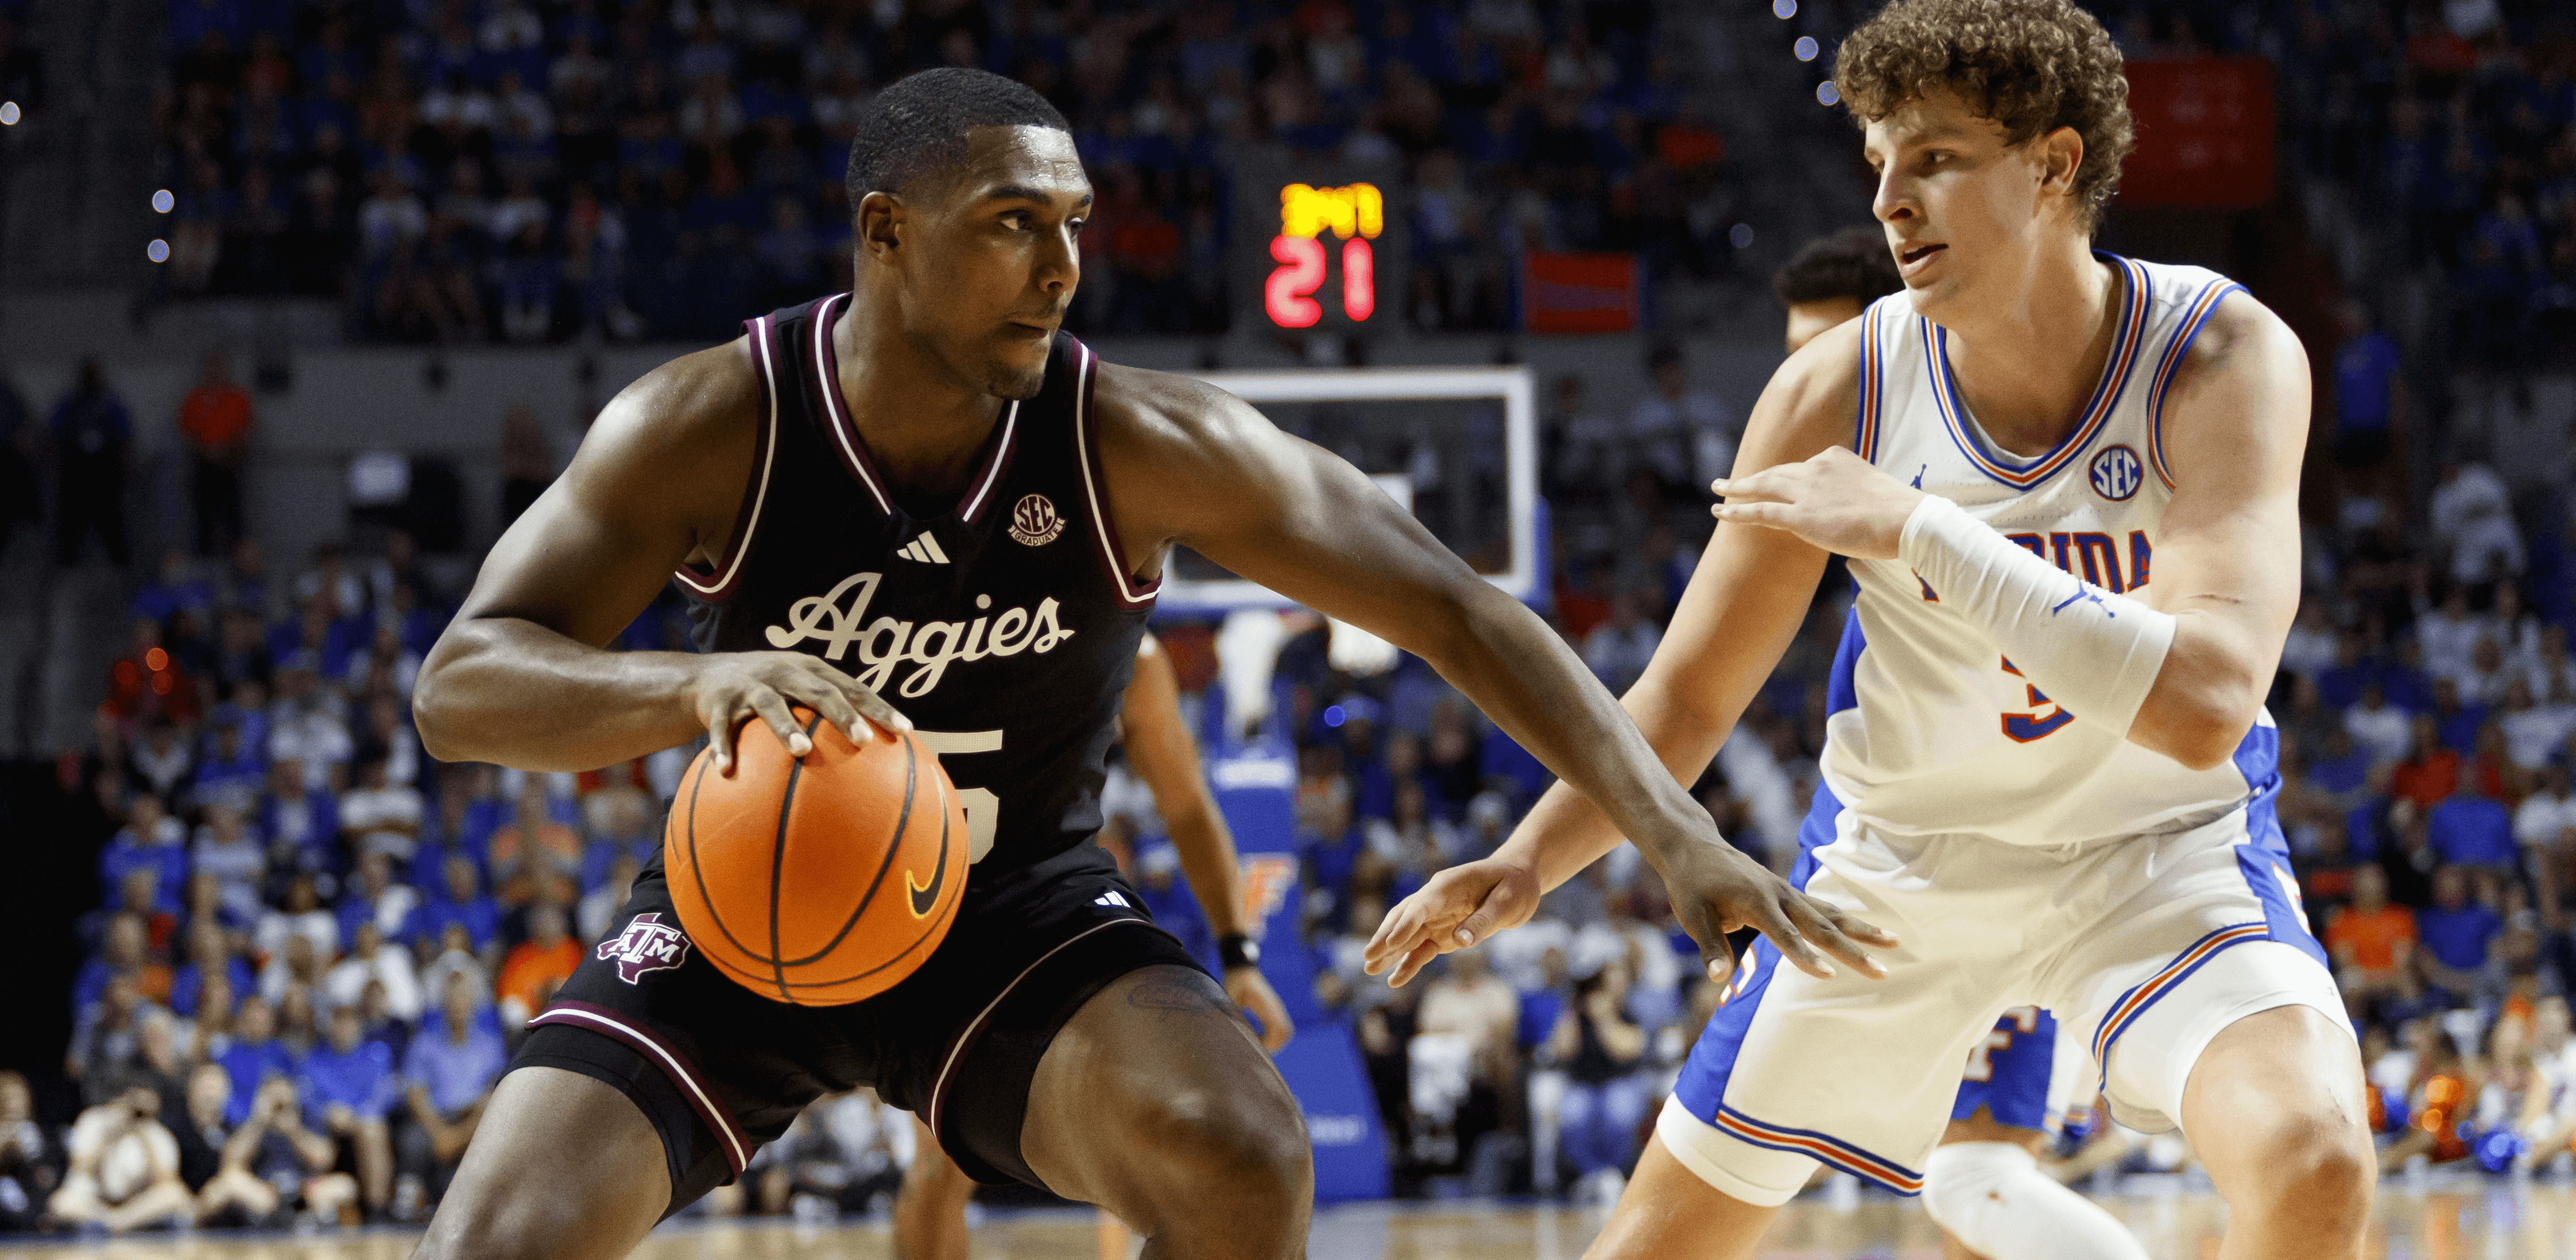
1983, 1185
930, 1215
2068, 486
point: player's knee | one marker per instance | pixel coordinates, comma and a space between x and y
2314, 1161
1240, 1144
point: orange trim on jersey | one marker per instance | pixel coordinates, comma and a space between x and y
2201, 308
2126, 337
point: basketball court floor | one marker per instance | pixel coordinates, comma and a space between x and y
2455, 1219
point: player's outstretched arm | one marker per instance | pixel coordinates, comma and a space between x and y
1189, 463
522, 676
1159, 746
2180, 667
1744, 604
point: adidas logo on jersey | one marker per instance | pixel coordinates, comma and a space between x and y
924, 549
1111, 899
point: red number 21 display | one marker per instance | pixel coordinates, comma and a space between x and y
1356, 214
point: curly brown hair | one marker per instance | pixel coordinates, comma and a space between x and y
2031, 65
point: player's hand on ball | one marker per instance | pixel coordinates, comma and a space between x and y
1835, 500
1716, 889
1250, 990
731, 686
1457, 908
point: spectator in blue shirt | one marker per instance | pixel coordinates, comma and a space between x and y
2342, 771
2369, 396
254, 1057
447, 1078
465, 905
300, 826
2456, 724
375, 898
152, 840
231, 771
2340, 684
349, 1087
2458, 937
209, 953
2473, 830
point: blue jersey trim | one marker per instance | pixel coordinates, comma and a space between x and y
2126, 338
2202, 307
1840, 692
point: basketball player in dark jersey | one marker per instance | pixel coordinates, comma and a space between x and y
917, 504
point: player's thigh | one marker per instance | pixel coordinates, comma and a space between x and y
562, 1167
1158, 1091
1671, 1213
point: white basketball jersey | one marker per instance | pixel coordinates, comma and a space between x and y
1931, 731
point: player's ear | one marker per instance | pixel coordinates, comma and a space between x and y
2061, 155
879, 225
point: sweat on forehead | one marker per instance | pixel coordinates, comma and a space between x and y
919, 126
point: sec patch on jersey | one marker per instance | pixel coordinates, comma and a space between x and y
2117, 472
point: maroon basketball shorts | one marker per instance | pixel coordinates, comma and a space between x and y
719, 1069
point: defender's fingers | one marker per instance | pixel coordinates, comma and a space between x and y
1784, 936
1500, 900
720, 734
1862, 930
1767, 515
1414, 963
1397, 934
837, 710
871, 704
1769, 485
1818, 924
772, 709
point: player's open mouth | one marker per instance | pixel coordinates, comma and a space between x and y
1914, 256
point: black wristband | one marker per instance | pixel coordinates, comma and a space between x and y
1237, 950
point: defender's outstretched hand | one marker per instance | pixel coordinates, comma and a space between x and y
1250, 990
1835, 500
1715, 890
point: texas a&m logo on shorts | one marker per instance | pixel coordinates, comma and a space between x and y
647, 944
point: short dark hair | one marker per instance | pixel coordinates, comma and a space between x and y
1852, 263
2031, 65
918, 126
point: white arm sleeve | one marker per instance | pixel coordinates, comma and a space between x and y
2093, 652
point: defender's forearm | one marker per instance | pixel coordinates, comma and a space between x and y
1565, 832
1524, 678
512, 692
1208, 861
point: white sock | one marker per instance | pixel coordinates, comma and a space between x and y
1992, 1197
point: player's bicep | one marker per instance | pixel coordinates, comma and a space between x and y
2234, 432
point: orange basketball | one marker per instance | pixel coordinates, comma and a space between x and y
822, 881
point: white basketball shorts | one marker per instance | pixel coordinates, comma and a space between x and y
2145, 947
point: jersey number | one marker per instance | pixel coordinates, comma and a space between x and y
1981, 1065
2022, 728
983, 809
